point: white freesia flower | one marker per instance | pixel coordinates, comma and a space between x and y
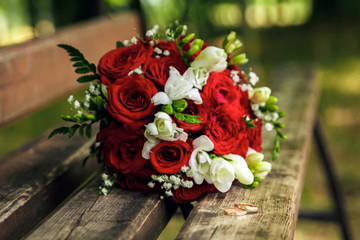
222, 174
242, 171
255, 162
259, 95
200, 161
178, 87
201, 77
161, 129
211, 58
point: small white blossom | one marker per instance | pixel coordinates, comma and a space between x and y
184, 169
167, 185
107, 183
275, 116
254, 107
267, 117
104, 191
268, 127
259, 95
151, 43
70, 99
133, 40
235, 76
126, 42
169, 193
76, 104
253, 78
104, 176
157, 50
151, 184
166, 53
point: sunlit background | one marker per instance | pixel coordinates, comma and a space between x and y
324, 33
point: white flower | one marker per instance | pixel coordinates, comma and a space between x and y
211, 58
253, 78
201, 77
242, 171
161, 129
70, 99
255, 162
166, 53
268, 127
200, 161
235, 76
76, 104
222, 174
178, 87
133, 40
259, 95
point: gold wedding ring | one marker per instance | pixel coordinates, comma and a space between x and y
247, 207
235, 212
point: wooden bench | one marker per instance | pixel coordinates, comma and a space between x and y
38, 177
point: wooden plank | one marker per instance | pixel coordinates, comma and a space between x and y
34, 73
278, 195
122, 214
36, 178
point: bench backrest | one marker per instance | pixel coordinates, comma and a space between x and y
37, 72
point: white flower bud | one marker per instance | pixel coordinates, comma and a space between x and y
211, 58
260, 95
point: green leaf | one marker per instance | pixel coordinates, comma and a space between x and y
72, 130
76, 59
87, 78
79, 64
93, 67
60, 130
81, 129
88, 131
73, 52
85, 160
119, 44
179, 116
82, 70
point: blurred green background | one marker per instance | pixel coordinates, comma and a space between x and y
323, 32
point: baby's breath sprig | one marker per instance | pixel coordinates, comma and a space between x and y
107, 183
172, 182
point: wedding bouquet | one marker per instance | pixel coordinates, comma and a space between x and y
176, 115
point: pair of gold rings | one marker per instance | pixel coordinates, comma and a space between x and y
241, 209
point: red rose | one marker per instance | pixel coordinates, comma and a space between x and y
169, 156
254, 136
121, 149
157, 67
186, 195
220, 89
119, 62
226, 128
130, 101
139, 181
200, 110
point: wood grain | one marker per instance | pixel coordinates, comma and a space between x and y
36, 178
278, 195
122, 214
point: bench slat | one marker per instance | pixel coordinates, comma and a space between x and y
37, 72
36, 178
278, 195
122, 214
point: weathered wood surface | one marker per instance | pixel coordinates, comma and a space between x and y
36, 178
122, 214
278, 195
34, 73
